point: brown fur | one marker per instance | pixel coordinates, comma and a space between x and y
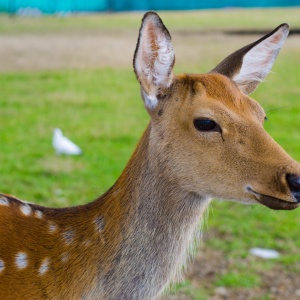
133, 241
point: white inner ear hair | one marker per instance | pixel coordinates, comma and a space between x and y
150, 100
257, 63
154, 61
163, 62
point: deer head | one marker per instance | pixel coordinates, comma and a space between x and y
207, 134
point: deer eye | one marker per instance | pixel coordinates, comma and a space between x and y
206, 125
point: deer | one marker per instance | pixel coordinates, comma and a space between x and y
205, 140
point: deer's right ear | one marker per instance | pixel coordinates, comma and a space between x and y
153, 58
250, 65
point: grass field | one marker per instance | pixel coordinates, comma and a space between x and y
212, 19
99, 108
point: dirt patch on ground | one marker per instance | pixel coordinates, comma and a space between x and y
113, 48
276, 283
30, 52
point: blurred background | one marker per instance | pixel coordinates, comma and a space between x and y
68, 64
64, 6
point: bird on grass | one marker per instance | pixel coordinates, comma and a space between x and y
63, 145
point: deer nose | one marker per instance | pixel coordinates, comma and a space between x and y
294, 185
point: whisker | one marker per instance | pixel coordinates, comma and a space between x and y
270, 111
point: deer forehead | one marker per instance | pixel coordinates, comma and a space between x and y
215, 96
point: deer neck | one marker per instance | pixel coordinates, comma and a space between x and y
157, 226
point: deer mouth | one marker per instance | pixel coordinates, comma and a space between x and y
272, 202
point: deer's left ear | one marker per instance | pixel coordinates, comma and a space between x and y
250, 65
153, 59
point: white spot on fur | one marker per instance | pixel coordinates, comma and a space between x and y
65, 257
68, 236
25, 209
44, 266
258, 62
21, 260
38, 214
87, 243
2, 265
100, 223
52, 227
4, 201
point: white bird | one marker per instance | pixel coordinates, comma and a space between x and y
265, 253
63, 145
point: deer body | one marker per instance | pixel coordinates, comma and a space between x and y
205, 139
98, 262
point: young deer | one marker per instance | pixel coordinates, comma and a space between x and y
205, 140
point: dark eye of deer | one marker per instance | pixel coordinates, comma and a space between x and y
206, 125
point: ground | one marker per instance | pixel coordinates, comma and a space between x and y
276, 284
114, 48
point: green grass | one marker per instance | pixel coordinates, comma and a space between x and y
207, 19
185, 287
238, 279
101, 110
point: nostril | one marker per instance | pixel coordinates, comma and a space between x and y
294, 185
293, 182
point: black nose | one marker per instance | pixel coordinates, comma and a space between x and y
294, 185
